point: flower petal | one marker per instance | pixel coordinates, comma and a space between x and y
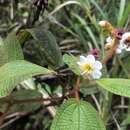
96, 74
109, 40
90, 59
98, 65
122, 45
83, 58
118, 51
125, 36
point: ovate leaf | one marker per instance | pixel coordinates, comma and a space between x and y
13, 48
71, 61
73, 115
47, 46
12, 73
10, 49
117, 86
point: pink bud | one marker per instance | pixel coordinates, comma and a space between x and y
95, 53
118, 33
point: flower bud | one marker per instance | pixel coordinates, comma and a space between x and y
95, 53
106, 25
103, 23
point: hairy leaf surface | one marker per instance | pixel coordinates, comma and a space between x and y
73, 115
14, 72
48, 46
117, 86
13, 48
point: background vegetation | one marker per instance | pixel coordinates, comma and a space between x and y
73, 25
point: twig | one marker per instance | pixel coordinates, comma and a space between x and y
15, 115
117, 124
35, 100
96, 102
40, 100
121, 107
9, 122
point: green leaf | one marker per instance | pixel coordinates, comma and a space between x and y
125, 15
71, 61
48, 46
3, 53
12, 48
117, 86
121, 10
73, 115
12, 73
25, 95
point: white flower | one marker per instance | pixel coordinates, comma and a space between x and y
90, 68
120, 47
125, 41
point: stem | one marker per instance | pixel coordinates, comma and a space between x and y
107, 101
36, 100
111, 52
77, 88
40, 100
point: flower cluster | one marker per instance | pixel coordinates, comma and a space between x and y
124, 43
123, 37
90, 68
